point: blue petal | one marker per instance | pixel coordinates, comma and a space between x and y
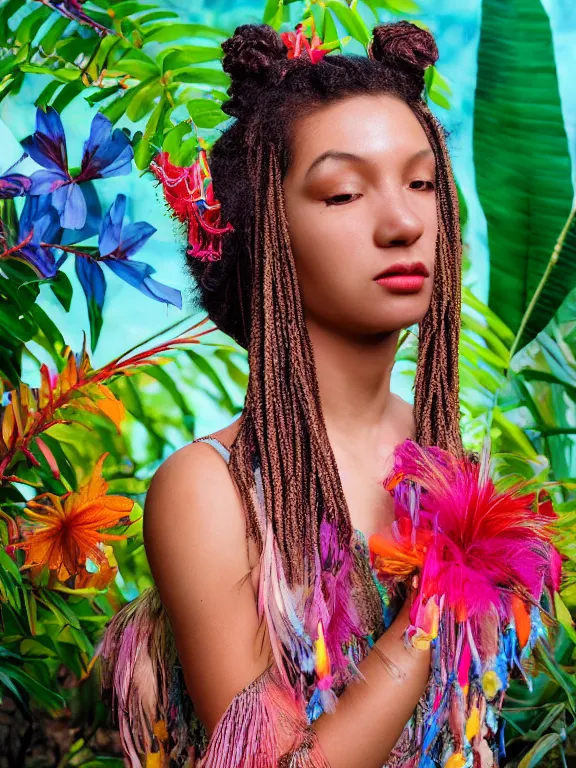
46, 182
106, 154
134, 237
35, 208
47, 146
161, 292
70, 203
14, 185
91, 277
121, 165
100, 131
111, 226
48, 122
137, 273
40, 259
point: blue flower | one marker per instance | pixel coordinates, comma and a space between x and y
116, 244
106, 153
39, 225
14, 184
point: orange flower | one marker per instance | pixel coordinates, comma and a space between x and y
66, 530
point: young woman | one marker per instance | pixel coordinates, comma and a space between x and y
268, 640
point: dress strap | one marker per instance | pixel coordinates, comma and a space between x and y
220, 447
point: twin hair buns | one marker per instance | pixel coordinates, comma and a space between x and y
257, 53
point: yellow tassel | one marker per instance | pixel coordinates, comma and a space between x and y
322, 659
154, 760
491, 683
456, 760
473, 724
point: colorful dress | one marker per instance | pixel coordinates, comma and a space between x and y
456, 723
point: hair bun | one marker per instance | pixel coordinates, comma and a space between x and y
403, 43
252, 51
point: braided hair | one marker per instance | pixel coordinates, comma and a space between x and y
251, 293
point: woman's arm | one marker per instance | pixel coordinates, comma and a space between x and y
194, 533
370, 716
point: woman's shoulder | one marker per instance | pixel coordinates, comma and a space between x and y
192, 494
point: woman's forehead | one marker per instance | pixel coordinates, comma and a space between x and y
377, 128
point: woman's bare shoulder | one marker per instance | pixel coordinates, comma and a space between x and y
193, 502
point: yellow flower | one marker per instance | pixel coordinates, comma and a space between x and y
66, 530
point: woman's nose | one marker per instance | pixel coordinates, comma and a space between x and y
397, 223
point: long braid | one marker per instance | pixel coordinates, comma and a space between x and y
436, 395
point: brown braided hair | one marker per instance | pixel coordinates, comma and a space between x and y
252, 292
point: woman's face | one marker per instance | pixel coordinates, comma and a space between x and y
360, 196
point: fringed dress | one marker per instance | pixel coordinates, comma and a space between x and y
265, 725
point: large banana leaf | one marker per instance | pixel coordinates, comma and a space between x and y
522, 162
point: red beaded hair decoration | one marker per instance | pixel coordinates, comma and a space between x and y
188, 191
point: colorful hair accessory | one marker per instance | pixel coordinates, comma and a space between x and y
297, 43
190, 195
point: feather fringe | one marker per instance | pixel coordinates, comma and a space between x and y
264, 726
140, 674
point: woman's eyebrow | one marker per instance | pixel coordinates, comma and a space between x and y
333, 154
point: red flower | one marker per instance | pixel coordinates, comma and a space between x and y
297, 43
190, 195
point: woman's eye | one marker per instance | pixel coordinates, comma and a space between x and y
340, 199
431, 184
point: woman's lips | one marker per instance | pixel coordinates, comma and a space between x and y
404, 283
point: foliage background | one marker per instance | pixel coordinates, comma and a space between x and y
502, 87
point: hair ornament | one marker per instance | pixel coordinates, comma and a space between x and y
190, 195
297, 43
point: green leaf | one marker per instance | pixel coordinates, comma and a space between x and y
186, 56
118, 107
143, 101
143, 154
539, 750
156, 15
564, 617
351, 21
522, 163
204, 366
64, 464
48, 328
273, 13
62, 289
173, 140
330, 31
7, 10
138, 65
28, 28
155, 119
64, 75
166, 33
203, 75
127, 8
20, 328
205, 113
187, 153
54, 34
44, 98
67, 94
101, 94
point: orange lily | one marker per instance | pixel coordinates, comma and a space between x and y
66, 530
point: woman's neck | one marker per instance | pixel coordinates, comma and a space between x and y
354, 383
